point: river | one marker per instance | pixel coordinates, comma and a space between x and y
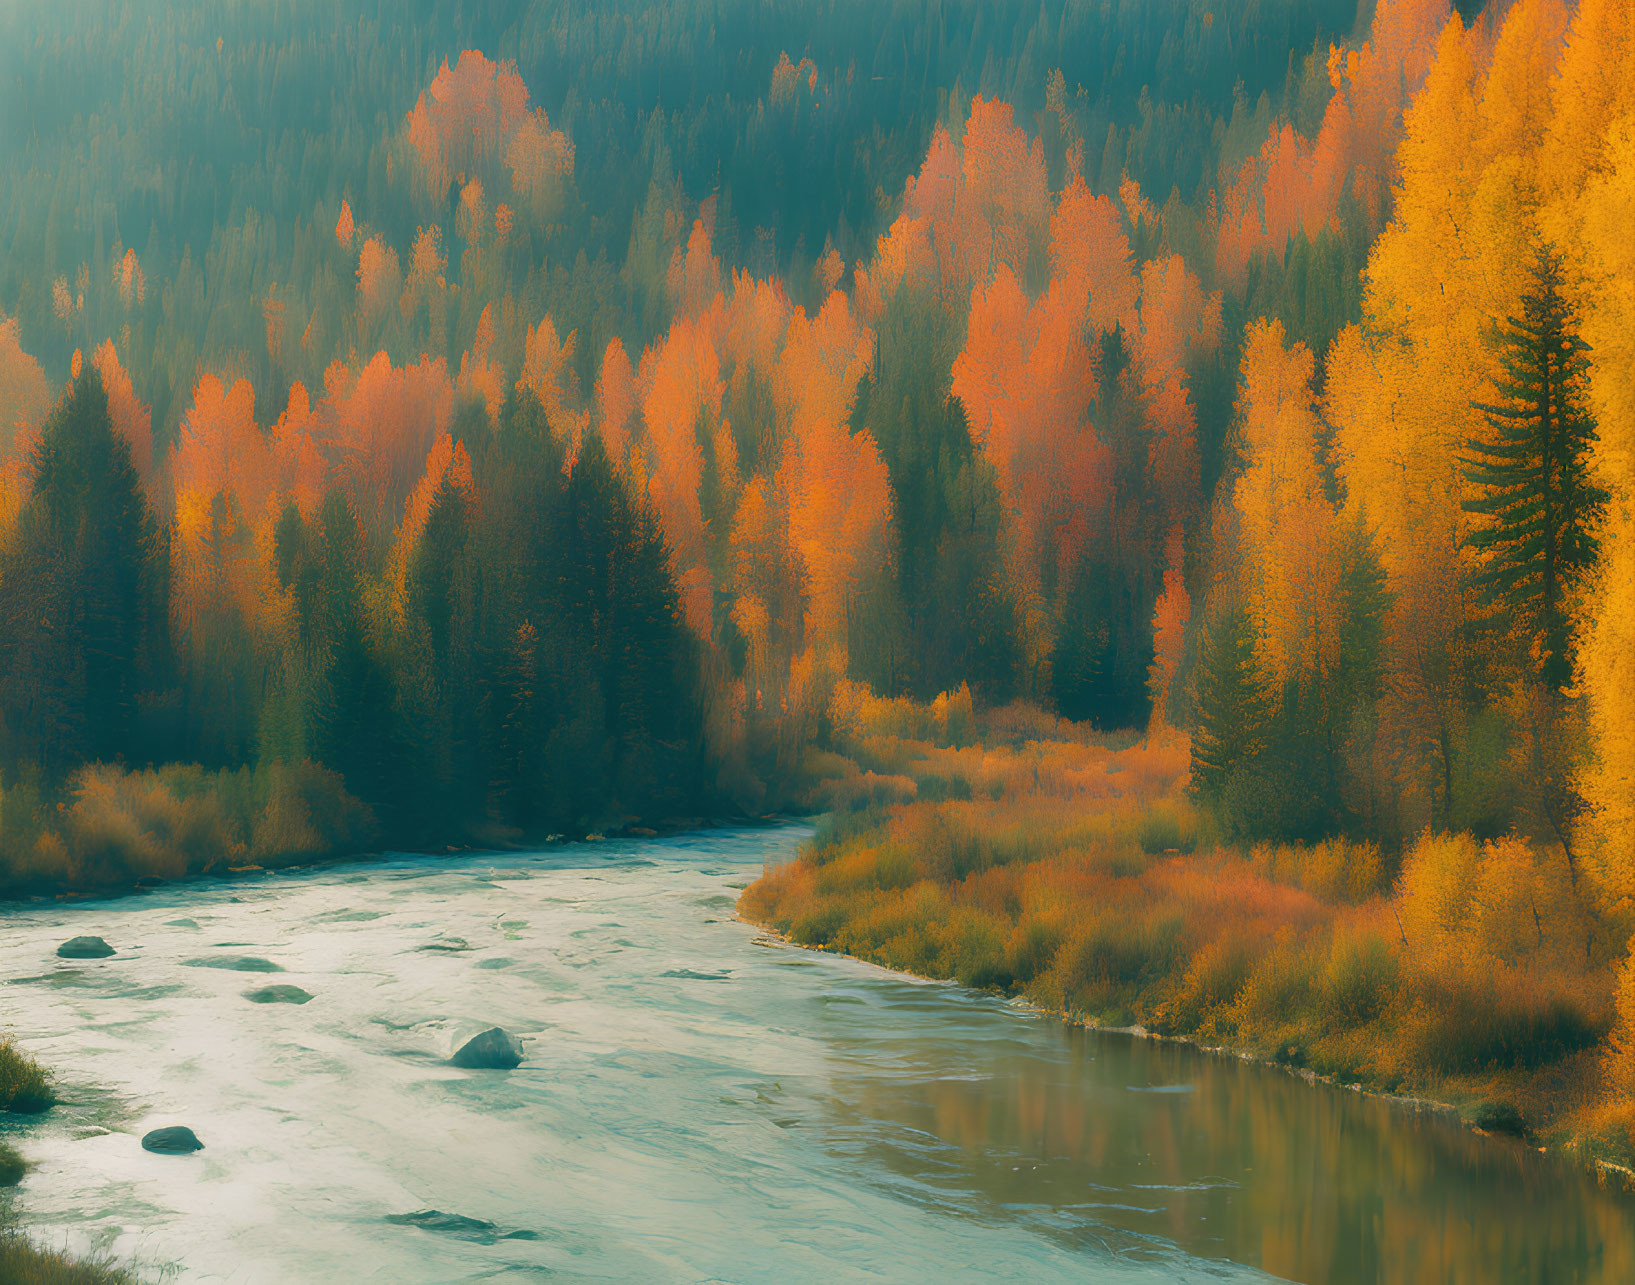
698, 1103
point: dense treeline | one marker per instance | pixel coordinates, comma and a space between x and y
500, 576
1415, 534
219, 146
539, 468
518, 665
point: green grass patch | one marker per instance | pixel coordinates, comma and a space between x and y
24, 1085
24, 1263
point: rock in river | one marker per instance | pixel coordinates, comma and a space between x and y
494, 1050
278, 995
173, 1140
85, 948
236, 963
479, 1230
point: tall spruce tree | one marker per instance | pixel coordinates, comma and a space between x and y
435, 660
941, 613
1531, 472
80, 613
356, 734
1104, 608
1234, 712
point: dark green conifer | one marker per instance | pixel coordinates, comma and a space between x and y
79, 611
1234, 710
1531, 474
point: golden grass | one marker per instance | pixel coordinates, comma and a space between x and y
116, 826
25, 1087
1037, 858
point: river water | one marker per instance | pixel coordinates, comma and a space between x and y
698, 1103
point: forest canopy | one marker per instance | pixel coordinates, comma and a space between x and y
452, 425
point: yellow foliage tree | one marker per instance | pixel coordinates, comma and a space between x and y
1607, 654
1401, 386
1286, 521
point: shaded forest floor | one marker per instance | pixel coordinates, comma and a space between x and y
1014, 852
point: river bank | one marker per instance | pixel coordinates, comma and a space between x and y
1070, 871
108, 830
1608, 1173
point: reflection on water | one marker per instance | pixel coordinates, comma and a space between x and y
697, 1103
1107, 1140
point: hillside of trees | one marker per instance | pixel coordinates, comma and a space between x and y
447, 445
426, 426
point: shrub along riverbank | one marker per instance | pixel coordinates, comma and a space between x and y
25, 1088
1027, 855
107, 826
24, 1263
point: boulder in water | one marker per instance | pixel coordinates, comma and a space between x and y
236, 963
479, 1230
173, 1140
85, 948
278, 995
494, 1050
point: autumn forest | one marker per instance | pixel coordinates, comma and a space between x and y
441, 427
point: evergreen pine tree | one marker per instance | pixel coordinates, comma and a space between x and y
356, 733
1531, 472
945, 614
1234, 712
79, 593
437, 691
1364, 602
1104, 646
1357, 676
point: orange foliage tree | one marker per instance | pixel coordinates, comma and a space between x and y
681, 405
379, 281
378, 426
221, 576
839, 493
132, 420
25, 396
1285, 519
448, 466
547, 371
1294, 184
474, 117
